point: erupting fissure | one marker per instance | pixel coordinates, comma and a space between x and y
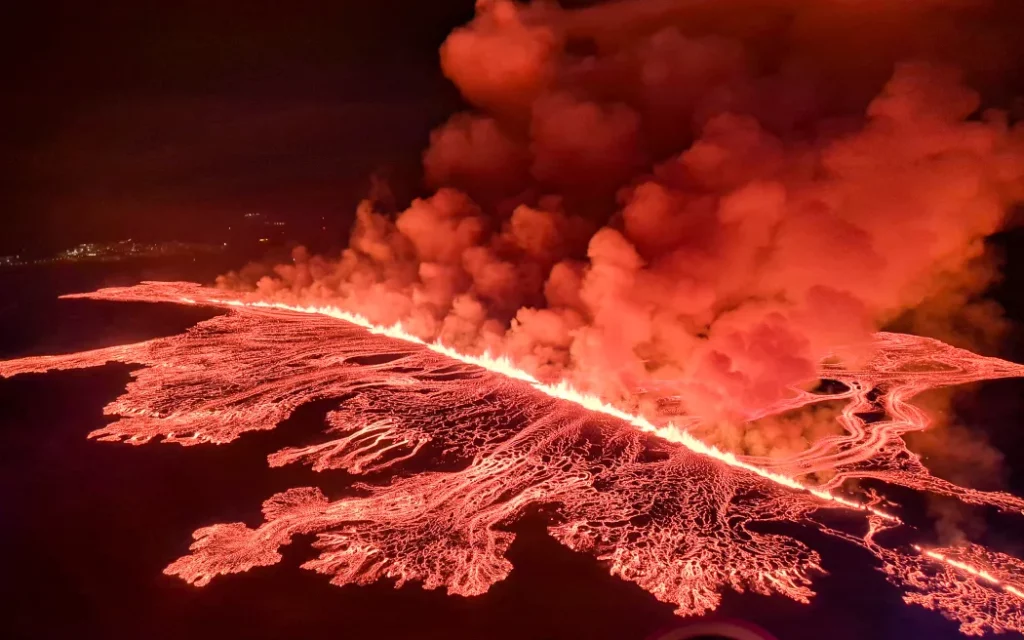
562, 391
454, 447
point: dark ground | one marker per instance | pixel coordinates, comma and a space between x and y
89, 526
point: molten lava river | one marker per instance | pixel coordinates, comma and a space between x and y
660, 507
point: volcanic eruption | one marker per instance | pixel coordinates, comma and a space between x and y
658, 231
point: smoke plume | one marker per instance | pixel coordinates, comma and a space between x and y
672, 201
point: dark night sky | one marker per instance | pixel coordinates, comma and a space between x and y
170, 118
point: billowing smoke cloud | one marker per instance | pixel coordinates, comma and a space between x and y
669, 200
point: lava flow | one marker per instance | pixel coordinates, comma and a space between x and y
455, 447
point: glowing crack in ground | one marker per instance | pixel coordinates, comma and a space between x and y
454, 447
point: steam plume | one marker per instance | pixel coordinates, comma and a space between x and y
670, 202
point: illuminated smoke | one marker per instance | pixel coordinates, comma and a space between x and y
647, 204
456, 447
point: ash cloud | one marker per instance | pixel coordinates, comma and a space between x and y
672, 199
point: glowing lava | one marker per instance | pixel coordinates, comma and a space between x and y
453, 447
